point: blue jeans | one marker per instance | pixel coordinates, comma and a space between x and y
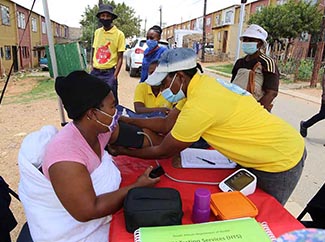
280, 184
107, 75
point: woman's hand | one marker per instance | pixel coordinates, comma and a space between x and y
145, 181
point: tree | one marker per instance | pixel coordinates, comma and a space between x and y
288, 21
126, 21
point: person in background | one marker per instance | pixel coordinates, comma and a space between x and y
228, 118
109, 45
80, 190
153, 52
304, 125
253, 39
148, 99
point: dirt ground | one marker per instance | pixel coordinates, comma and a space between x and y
17, 120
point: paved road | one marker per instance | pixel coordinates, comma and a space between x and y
293, 110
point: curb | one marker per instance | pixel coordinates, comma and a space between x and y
291, 93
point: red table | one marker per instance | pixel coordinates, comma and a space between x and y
270, 210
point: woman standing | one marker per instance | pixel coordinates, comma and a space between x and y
153, 52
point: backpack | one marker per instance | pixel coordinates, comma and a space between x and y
251, 80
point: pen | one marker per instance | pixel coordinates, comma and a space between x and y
207, 161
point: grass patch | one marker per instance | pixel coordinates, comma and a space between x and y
222, 68
44, 89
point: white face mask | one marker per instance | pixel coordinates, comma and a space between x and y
114, 121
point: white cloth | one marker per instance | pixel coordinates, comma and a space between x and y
48, 220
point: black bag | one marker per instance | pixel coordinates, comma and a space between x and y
147, 206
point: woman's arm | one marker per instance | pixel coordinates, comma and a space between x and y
73, 186
141, 108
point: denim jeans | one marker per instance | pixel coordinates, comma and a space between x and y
108, 77
280, 184
317, 117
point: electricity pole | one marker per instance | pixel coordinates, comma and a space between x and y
203, 34
318, 54
145, 27
160, 10
240, 26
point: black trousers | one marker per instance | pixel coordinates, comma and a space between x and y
317, 117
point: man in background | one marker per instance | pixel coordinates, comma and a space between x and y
109, 45
265, 88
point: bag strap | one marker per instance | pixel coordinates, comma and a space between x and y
14, 194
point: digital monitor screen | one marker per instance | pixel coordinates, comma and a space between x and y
238, 181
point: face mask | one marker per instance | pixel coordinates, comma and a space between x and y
114, 121
170, 96
151, 43
249, 48
106, 22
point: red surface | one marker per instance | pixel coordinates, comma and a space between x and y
270, 210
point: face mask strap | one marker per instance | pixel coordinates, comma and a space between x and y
173, 80
108, 115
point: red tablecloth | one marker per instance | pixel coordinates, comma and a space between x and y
270, 210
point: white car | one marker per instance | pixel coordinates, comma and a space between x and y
134, 55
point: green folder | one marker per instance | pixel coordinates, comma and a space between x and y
237, 230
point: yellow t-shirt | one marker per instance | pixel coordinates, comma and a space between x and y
143, 94
106, 46
232, 122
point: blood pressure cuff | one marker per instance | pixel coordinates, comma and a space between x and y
128, 136
150, 206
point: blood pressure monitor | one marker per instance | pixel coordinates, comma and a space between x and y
241, 180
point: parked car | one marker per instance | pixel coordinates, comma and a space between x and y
134, 55
209, 48
43, 63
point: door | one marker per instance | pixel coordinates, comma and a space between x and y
15, 57
224, 42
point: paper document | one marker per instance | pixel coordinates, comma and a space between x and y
201, 158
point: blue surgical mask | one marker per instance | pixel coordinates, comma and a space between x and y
114, 121
170, 96
151, 43
249, 48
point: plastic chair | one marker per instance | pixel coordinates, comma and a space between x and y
316, 209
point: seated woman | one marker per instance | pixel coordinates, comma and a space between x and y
75, 198
148, 99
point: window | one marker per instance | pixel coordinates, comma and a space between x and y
34, 25
21, 20
217, 20
25, 52
7, 52
229, 17
66, 32
1, 52
5, 17
259, 8
208, 22
281, 2
43, 28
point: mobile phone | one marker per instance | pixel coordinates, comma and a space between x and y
156, 172
241, 180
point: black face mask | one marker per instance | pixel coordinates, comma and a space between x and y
106, 22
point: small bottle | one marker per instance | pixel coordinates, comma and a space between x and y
124, 113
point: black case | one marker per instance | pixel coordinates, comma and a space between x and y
148, 206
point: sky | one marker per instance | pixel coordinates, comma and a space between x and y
69, 12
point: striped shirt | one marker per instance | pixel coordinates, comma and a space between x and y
269, 69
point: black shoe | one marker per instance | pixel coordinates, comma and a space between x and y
303, 130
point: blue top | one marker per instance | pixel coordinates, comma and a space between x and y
148, 58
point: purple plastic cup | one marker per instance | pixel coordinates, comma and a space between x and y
202, 198
200, 216
201, 206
